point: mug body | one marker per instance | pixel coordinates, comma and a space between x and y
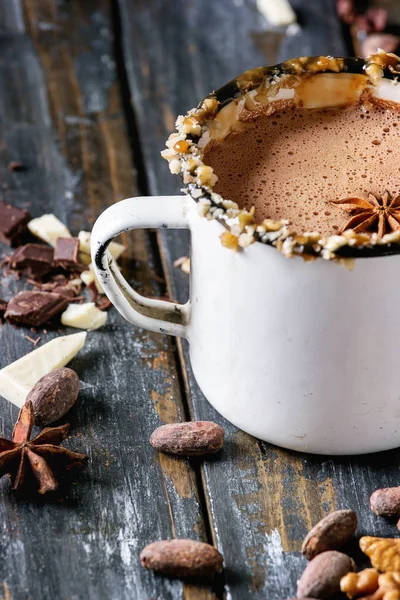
300, 354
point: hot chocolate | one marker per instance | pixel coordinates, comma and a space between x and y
293, 163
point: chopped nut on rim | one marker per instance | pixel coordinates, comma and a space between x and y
246, 239
168, 154
175, 166
191, 126
182, 146
228, 240
246, 218
205, 175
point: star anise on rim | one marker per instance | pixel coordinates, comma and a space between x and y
381, 214
38, 461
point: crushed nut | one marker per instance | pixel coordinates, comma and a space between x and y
175, 166
205, 175
245, 218
182, 146
228, 240
246, 239
191, 126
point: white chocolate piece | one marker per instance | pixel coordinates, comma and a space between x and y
48, 228
277, 12
18, 378
84, 316
183, 263
89, 277
84, 246
84, 259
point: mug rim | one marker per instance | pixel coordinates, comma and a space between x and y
185, 153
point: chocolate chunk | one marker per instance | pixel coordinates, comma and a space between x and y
13, 224
34, 308
33, 260
65, 291
16, 165
3, 308
66, 251
58, 286
102, 302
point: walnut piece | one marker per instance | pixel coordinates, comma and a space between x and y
364, 582
389, 588
384, 553
372, 585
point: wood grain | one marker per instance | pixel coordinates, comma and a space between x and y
262, 499
61, 115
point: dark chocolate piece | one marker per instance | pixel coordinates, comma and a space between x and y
16, 165
66, 251
3, 308
13, 224
33, 260
34, 308
58, 285
103, 303
63, 290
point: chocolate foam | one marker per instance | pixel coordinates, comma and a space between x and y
293, 163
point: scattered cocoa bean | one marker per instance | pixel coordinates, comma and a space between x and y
321, 578
188, 439
386, 502
331, 533
182, 558
53, 395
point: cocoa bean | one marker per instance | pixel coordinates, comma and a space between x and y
332, 532
386, 502
194, 438
182, 558
321, 578
53, 395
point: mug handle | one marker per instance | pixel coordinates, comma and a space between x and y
139, 213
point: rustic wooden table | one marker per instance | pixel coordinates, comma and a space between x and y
88, 94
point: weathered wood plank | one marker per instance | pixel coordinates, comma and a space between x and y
262, 499
61, 115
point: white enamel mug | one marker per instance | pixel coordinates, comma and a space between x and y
301, 354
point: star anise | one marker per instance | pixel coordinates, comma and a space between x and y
39, 460
367, 215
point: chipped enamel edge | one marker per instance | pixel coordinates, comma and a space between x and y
185, 151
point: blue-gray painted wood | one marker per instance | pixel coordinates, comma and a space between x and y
61, 115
